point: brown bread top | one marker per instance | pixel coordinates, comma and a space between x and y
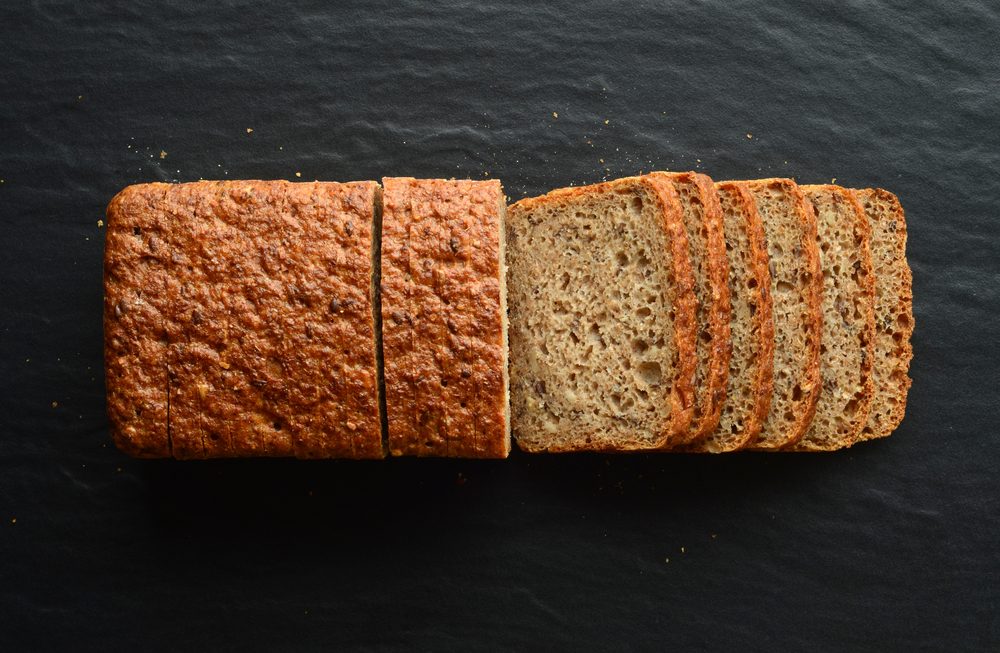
444, 318
751, 362
797, 294
266, 334
847, 354
703, 225
893, 311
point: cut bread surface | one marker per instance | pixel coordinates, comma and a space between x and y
751, 363
703, 227
847, 353
601, 318
796, 293
893, 311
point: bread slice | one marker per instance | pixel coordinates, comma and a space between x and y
893, 311
848, 319
444, 318
796, 293
257, 329
751, 363
703, 226
602, 313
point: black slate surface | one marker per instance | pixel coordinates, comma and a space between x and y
891, 545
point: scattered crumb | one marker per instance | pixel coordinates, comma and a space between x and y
298, 174
555, 115
249, 130
749, 135
683, 550
601, 160
281, 147
55, 404
79, 98
100, 223
714, 536
667, 560
119, 470
833, 181
606, 121
163, 154
13, 520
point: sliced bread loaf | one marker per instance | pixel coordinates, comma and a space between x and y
893, 311
706, 241
847, 351
601, 318
751, 363
248, 308
796, 293
444, 318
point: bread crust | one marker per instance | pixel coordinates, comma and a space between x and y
809, 377
684, 302
267, 334
443, 318
895, 381
762, 324
713, 359
862, 236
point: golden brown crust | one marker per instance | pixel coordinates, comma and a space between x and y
443, 337
809, 377
866, 278
757, 295
683, 302
268, 315
894, 315
703, 225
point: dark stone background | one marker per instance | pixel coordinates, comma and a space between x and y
892, 545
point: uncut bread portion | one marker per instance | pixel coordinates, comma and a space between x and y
602, 318
751, 363
444, 318
847, 353
268, 318
703, 226
893, 311
796, 295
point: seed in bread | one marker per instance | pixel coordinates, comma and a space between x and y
704, 229
847, 351
444, 318
893, 311
796, 293
602, 318
267, 336
751, 363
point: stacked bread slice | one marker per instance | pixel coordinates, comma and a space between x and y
811, 283
662, 312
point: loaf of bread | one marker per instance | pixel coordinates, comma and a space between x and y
444, 318
751, 363
796, 292
602, 312
703, 226
848, 319
893, 311
240, 320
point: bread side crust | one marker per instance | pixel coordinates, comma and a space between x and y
442, 318
862, 235
763, 326
809, 381
714, 359
684, 302
903, 354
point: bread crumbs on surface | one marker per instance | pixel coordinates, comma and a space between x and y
163, 154
13, 520
667, 560
100, 223
249, 130
683, 550
55, 404
298, 174
833, 181
749, 135
606, 121
555, 115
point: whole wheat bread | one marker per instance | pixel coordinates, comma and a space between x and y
847, 352
893, 311
751, 363
706, 241
796, 292
601, 318
444, 318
